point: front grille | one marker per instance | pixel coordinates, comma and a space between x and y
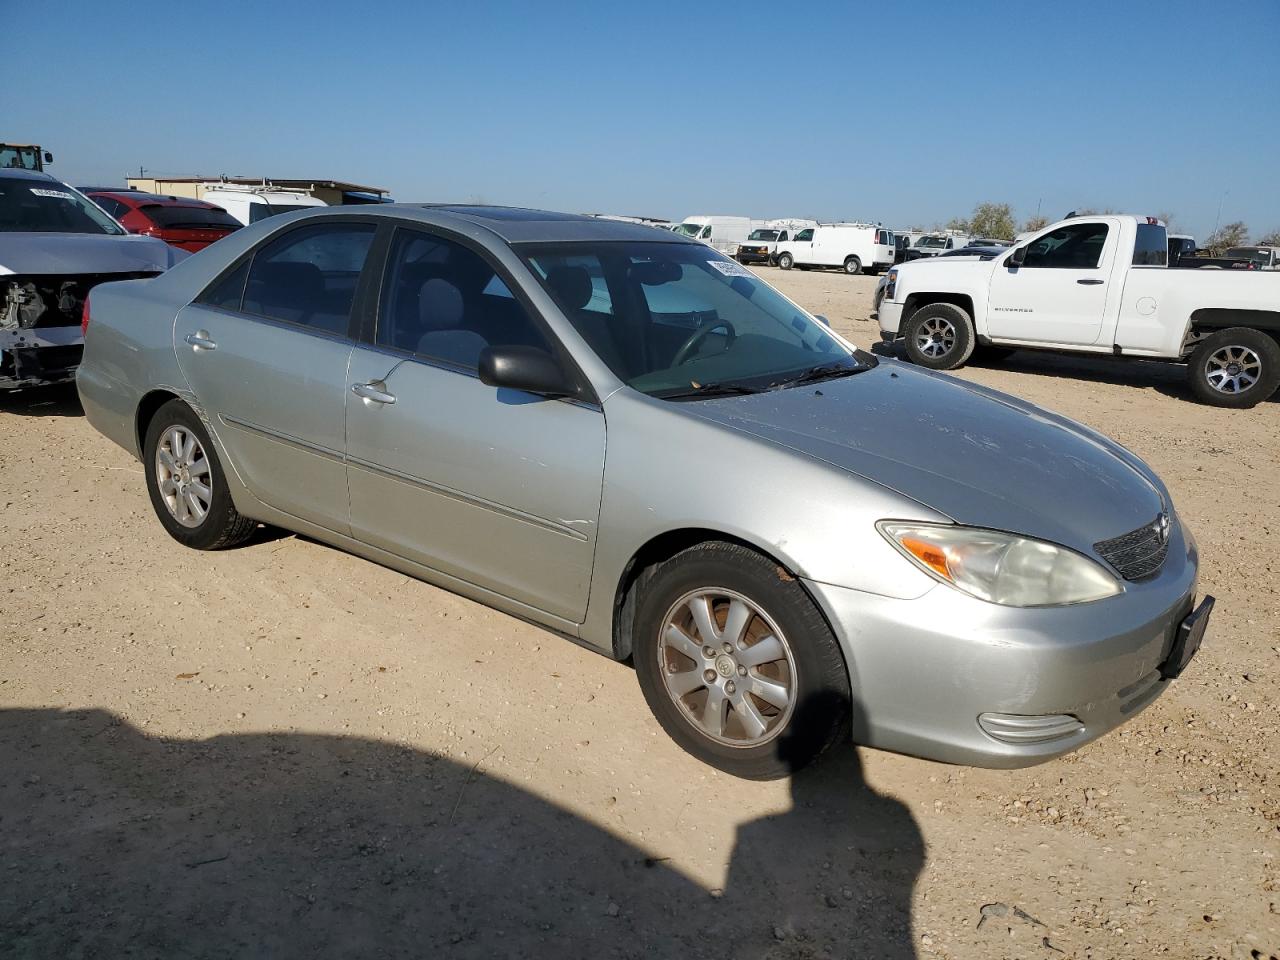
1139, 553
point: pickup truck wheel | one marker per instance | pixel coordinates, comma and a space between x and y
939, 336
186, 482
853, 265
785, 261
1236, 368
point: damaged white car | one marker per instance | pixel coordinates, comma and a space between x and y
55, 246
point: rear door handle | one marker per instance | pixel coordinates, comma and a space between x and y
200, 340
1090, 281
372, 392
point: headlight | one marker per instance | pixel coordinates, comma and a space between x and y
891, 283
1000, 567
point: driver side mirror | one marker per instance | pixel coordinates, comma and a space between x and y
1017, 257
822, 320
525, 368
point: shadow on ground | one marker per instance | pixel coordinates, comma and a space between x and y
57, 401
1166, 378
116, 844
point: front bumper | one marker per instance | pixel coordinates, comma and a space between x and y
39, 356
924, 671
753, 256
890, 317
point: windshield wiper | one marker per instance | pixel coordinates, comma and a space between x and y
698, 390
823, 371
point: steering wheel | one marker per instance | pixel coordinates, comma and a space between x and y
686, 351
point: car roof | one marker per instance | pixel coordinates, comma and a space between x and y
519, 224
152, 199
15, 173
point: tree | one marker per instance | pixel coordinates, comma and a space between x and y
1032, 224
1234, 234
992, 220
1271, 239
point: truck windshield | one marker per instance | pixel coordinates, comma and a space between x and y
47, 206
19, 158
933, 243
678, 320
763, 235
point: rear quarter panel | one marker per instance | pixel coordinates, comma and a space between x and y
1157, 305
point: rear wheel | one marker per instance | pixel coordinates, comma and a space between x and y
939, 336
1238, 367
785, 261
186, 483
852, 265
738, 664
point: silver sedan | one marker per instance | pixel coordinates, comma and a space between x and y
631, 440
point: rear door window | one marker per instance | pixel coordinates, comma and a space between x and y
308, 276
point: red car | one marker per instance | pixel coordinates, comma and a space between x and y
179, 221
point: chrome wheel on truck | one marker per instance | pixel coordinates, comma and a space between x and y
1238, 367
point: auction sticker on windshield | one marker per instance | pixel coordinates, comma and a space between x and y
730, 269
58, 194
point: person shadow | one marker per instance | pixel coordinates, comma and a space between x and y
114, 843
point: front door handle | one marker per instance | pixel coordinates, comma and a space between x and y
1090, 281
200, 340
373, 392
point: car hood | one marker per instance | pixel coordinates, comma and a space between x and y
44, 253
975, 455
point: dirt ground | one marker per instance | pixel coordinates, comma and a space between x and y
282, 750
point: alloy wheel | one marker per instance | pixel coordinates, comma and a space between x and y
183, 476
935, 337
1232, 369
727, 667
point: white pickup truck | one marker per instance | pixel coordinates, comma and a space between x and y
1094, 285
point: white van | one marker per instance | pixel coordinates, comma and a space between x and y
857, 247
761, 245
251, 204
723, 233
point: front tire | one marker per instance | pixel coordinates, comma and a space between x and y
939, 336
785, 261
1238, 368
737, 663
186, 482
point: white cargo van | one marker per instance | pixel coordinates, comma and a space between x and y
723, 233
856, 247
251, 204
762, 244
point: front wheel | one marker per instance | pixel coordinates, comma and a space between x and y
853, 265
939, 336
738, 664
785, 261
187, 485
1238, 367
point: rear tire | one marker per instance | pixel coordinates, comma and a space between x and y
939, 336
853, 265
1237, 368
187, 485
785, 261
781, 647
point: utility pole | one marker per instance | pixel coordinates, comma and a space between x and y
1218, 220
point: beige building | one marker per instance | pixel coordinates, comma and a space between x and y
333, 192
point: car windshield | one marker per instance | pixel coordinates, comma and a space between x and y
679, 320
763, 235
47, 206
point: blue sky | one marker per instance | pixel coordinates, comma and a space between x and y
903, 114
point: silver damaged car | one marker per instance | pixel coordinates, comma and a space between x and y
631, 440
